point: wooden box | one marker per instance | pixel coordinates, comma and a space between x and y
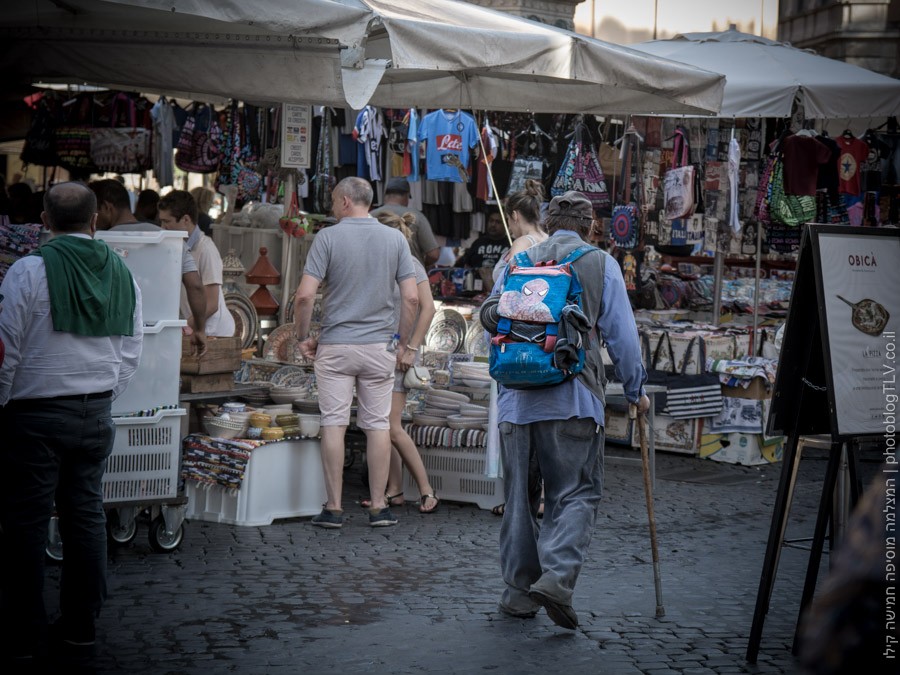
204, 384
223, 355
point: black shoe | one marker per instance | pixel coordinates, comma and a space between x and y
74, 642
562, 615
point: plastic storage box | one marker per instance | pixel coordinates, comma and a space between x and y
156, 381
457, 474
154, 259
283, 480
146, 458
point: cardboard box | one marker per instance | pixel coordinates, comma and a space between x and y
673, 435
758, 390
618, 424
204, 384
223, 355
745, 449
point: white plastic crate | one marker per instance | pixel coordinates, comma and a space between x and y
146, 458
156, 381
283, 479
154, 259
457, 474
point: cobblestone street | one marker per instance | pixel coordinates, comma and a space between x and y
422, 596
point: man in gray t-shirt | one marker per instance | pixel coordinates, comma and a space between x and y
361, 262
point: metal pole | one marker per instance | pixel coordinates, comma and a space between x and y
718, 272
756, 288
655, 14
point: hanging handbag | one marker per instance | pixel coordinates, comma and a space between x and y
580, 171
198, 148
524, 169
678, 183
625, 225
122, 150
417, 377
608, 154
790, 210
689, 396
40, 141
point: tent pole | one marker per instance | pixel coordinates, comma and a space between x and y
718, 273
756, 288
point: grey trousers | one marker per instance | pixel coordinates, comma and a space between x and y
548, 554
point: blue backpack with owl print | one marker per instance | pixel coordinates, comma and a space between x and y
537, 324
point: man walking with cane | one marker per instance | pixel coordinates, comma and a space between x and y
556, 433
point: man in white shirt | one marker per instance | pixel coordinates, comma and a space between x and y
71, 322
178, 211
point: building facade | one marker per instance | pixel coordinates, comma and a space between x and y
559, 13
865, 33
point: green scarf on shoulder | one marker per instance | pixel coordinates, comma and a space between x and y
91, 289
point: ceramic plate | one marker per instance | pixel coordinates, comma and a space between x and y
282, 345
290, 376
475, 343
246, 321
447, 331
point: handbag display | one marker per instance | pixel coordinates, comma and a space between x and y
689, 396
417, 377
294, 224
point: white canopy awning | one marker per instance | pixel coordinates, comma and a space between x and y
764, 77
429, 53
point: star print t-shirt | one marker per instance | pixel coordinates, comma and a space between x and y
853, 154
448, 137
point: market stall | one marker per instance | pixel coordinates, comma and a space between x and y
348, 55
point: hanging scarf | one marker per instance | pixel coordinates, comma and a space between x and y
91, 290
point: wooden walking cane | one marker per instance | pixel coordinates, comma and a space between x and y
640, 421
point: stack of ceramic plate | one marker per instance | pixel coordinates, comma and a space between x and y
308, 406
439, 405
473, 374
286, 394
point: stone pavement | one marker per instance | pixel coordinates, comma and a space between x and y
422, 596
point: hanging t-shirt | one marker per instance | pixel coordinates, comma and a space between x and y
828, 172
448, 137
369, 132
802, 157
853, 154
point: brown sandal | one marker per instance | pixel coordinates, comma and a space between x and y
499, 509
424, 500
388, 499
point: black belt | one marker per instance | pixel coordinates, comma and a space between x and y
84, 398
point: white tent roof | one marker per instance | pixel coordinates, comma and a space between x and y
763, 77
434, 53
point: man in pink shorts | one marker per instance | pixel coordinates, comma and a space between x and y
361, 262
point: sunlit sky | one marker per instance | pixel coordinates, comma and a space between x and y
630, 21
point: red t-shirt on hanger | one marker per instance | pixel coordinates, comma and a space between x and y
802, 157
853, 154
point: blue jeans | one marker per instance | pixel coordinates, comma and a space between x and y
52, 451
548, 555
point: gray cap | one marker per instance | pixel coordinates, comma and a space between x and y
397, 185
571, 204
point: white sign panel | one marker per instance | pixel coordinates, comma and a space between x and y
296, 131
861, 289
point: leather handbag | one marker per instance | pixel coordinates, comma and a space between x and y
417, 377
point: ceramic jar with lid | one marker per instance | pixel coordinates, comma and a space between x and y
273, 434
260, 420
